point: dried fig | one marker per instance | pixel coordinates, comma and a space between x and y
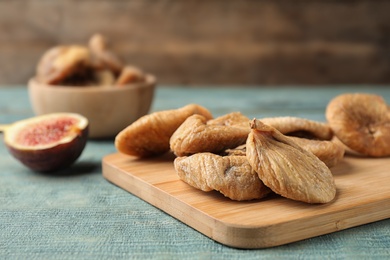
330, 152
102, 57
286, 168
150, 134
61, 62
301, 127
49, 142
234, 119
311, 135
362, 122
128, 75
231, 175
197, 134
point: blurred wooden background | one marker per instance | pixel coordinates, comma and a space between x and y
248, 42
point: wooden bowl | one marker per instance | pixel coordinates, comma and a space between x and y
108, 109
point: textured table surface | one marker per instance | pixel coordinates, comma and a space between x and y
77, 214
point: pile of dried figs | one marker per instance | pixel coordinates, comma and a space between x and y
247, 159
92, 65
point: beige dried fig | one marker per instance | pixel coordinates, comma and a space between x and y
234, 119
301, 127
286, 168
150, 134
330, 152
230, 175
197, 134
362, 122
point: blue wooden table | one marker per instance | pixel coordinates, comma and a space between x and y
77, 214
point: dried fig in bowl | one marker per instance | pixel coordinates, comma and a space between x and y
361, 122
49, 142
61, 62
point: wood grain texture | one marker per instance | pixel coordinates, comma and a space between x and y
210, 42
363, 196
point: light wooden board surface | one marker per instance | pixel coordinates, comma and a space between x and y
363, 196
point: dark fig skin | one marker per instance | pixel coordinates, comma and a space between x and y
53, 158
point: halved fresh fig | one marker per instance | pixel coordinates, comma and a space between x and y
49, 142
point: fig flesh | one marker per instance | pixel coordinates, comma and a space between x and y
49, 142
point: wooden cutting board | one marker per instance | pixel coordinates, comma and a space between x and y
363, 196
